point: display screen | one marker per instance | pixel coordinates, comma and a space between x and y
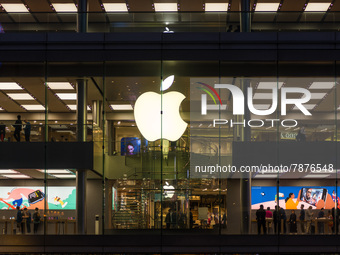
58, 198
309, 196
130, 146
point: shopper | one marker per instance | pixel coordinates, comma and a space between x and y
283, 219
28, 218
27, 130
20, 224
2, 131
17, 128
321, 225
36, 220
168, 219
261, 220
302, 219
292, 222
309, 218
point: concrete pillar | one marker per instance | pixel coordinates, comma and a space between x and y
81, 201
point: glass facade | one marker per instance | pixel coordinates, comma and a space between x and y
224, 140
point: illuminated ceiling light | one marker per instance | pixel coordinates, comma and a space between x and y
266, 176
322, 85
67, 96
269, 85
63, 176
267, 7
121, 107
317, 7
33, 107
20, 96
59, 85
316, 176
9, 86
216, 7
165, 7
16, 176
263, 96
8, 171
65, 7
316, 95
261, 106
1, 109
55, 171
307, 106
73, 107
15, 7
115, 7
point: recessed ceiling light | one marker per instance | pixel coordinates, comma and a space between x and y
261, 106
316, 176
59, 85
9, 86
33, 107
115, 7
62, 176
65, 7
266, 176
121, 107
263, 96
269, 85
267, 7
15, 7
216, 7
73, 107
20, 96
165, 7
8, 171
16, 176
55, 171
317, 7
322, 85
307, 106
67, 96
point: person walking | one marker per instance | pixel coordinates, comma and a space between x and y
17, 128
36, 220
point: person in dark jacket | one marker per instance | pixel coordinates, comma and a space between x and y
283, 218
292, 222
20, 223
17, 128
321, 225
302, 219
261, 220
2, 131
276, 219
27, 130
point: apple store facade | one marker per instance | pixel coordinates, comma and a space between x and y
170, 142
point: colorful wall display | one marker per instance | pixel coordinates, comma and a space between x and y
317, 197
58, 198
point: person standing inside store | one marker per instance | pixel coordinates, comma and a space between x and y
168, 219
292, 222
261, 220
321, 225
269, 217
36, 220
27, 130
17, 128
283, 219
28, 218
2, 131
302, 219
20, 224
309, 218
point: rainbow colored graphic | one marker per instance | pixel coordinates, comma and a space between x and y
209, 93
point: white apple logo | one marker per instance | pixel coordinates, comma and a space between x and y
151, 123
169, 190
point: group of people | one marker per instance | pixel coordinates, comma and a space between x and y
24, 217
305, 217
175, 220
18, 126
